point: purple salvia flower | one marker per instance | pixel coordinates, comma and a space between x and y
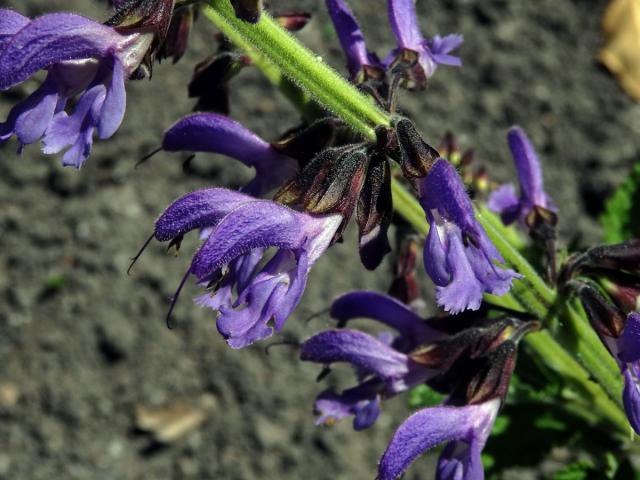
628, 355
412, 328
458, 255
240, 226
351, 38
504, 201
387, 370
82, 57
431, 53
210, 132
465, 429
381, 363
621, 336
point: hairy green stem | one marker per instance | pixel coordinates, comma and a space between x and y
592, 353
280, 56
298, 63
590, 393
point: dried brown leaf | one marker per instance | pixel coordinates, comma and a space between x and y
621, 53
168, 423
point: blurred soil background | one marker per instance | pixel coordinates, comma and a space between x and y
83, 345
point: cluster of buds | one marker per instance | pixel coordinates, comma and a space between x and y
469, 357
607, 281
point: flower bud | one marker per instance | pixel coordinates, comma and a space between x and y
293, 21
405, 286
304, 143
209, 83
144, 15
248, 10
175, 44
624, 289
620, 256
416, 156
606, 318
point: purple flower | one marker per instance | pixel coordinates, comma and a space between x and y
465, 429
458, 255
242, 228
412, 328
359, 60
431, 53
628, 355
210, 132
81, 57
504, 201
382, 364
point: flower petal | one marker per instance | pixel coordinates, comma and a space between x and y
197, 209
357, 348
363, 402
630, 339
441, 46
506, 203
51, 39
431, 426
272, 295
350, 36
443, 190
115, 102
10, 23
631, 396
404, 23
464, 291
210, 132
384, 309
420, 432
435, 256
257, 224
30, 118
527, 166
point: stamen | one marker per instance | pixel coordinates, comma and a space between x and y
147, 157
174, 299
318, 314
186, 165
135, 258
326, 370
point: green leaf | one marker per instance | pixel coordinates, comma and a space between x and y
621, 218
575, 471
423, 396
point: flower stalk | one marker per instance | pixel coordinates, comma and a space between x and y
299, 64
305, 79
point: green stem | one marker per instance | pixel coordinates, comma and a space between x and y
558, 359
281, 56
298, 63
495, 230
592, 353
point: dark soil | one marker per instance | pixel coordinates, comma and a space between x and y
83, 344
